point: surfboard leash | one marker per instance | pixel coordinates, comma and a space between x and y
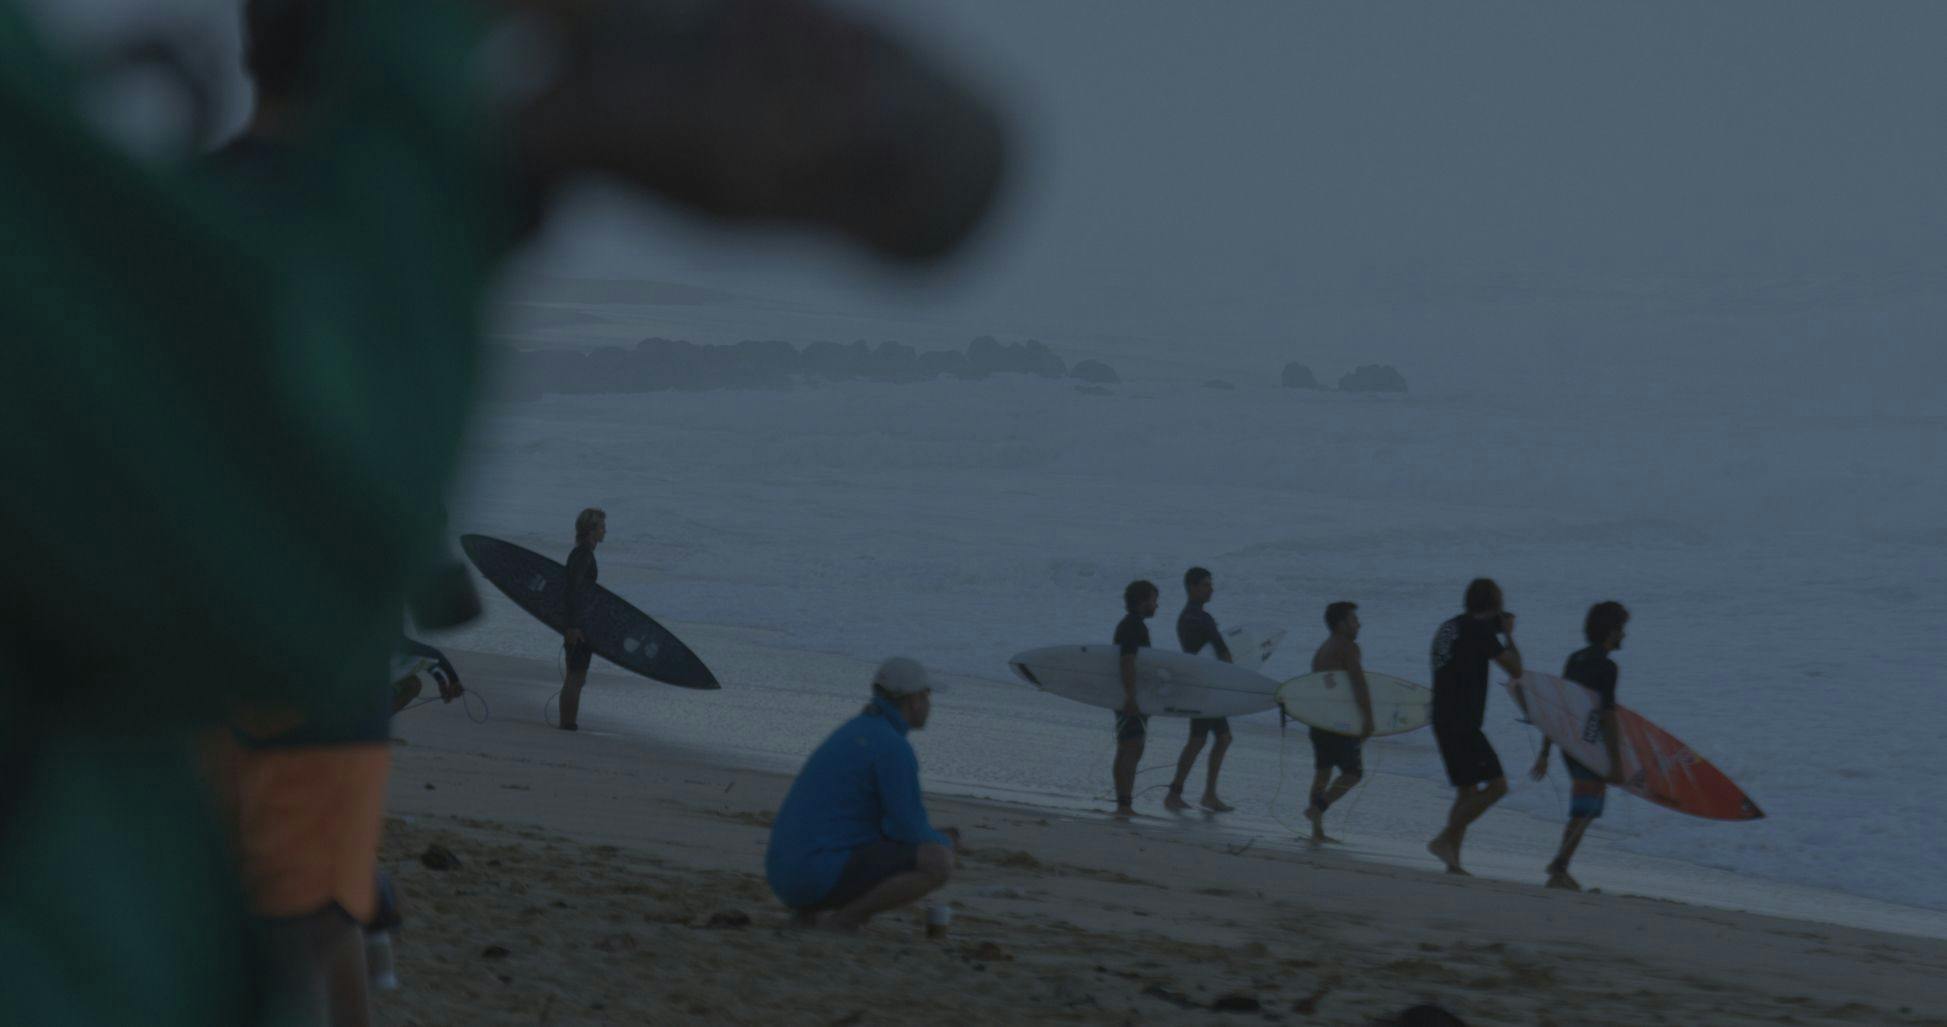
467, 699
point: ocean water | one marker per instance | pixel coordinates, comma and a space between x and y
1782, 562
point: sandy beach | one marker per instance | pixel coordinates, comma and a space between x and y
604, 880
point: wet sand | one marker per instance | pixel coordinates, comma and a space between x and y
605, 881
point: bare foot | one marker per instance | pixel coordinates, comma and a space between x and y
1446, 852
1560, 879
1216, 805
1317, 818
1174, 802
1124, 812
1454, 869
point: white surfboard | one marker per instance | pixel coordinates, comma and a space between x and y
1324, 701
1250, 645
1168, 684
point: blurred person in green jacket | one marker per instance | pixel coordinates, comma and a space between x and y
223, 416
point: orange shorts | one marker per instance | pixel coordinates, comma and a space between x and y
306, 823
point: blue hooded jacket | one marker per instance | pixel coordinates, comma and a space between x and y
859, 786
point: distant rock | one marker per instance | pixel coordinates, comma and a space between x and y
1095, 371
826, 359
934, 363
1373, 378
987, 355
774, 354
1298, 376
1218, 383
1041, 360
656, 363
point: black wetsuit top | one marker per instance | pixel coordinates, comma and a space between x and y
1462, 649
1196, 628
581, 576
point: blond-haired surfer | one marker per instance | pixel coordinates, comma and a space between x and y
1462, 649
591, 527
1131, 723
1331, 750
1594, 670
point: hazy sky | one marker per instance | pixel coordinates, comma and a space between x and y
1269, 168
1176, 150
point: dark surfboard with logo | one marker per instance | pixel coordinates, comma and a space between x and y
616, 631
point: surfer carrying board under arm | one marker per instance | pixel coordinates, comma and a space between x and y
1594, 670
1331, 750
852, 838
1131, 723
1462, 649
1196, 628
591, 527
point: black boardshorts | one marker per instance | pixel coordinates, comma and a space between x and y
1470, 758
1200, 726
1331, 750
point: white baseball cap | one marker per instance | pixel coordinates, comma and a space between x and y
902, 676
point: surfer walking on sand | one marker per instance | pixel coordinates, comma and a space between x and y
591, 527
1331, 750
1131, 723
1196, 628
852, 838
1594, 670
1462, 649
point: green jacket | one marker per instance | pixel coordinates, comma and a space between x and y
224, 428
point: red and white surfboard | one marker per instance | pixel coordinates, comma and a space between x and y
1656, 766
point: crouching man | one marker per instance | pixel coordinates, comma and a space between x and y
852, 839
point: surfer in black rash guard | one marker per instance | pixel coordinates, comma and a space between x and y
591, 526
1592, 669
1462, 649
1131, 723
1196, 628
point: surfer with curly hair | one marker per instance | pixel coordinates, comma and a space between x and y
1594, 670
1195, 629
591, 527
1331, 750
1131, 723
1462, 649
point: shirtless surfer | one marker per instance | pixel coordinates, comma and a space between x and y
1331, 750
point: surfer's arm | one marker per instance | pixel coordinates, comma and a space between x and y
1362, 695
1510, 659
1612, 741
1129, 683
1540, 769
1217, 638
905, 815
578, 565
